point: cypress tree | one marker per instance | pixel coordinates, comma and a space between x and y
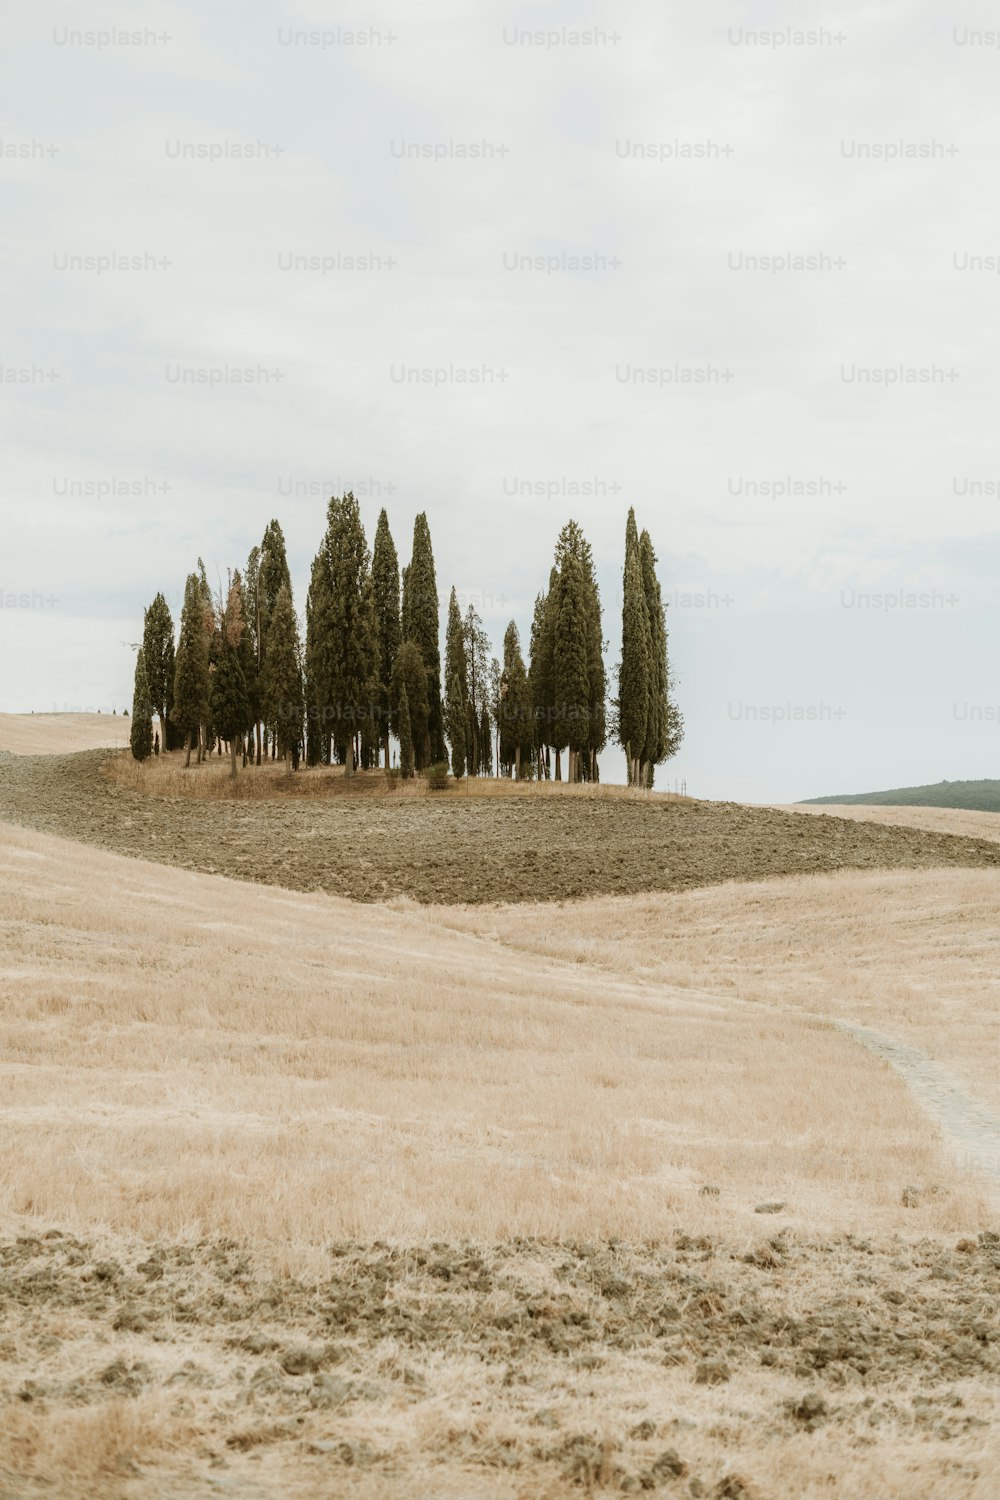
158, 654
282, 684
229, 700
385, 587
230, 707
141, 730
457, 725
540, 674
405, 735
318, 643
251, 596
637, 691
665, 724
516, 717
236, 609
485, 744
421, 623
477, 659
206, 732
266, 571
350, 653
409, 683
591, 725
191, 707
571, 667
456, 673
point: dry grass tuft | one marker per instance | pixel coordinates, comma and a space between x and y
166, 776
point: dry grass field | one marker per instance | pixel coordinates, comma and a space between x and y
62, 734
691, 1191
305, 1199
167, 776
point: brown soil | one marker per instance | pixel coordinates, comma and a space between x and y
451, 849
569, 1359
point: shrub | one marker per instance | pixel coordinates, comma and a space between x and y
437, 776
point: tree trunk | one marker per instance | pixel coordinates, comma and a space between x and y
163, 732
387, 749
187, 757
349, 760
595, 768
558, 775
232, 757
517, 762
201, 745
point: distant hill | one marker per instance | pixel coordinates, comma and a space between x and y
979, 796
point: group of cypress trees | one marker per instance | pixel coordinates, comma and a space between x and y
370, 667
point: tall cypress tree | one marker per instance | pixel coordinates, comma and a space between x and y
571, 665
230, 706
158, 655
385, 587
421, 624
541, 672
319, 629
637, 690
410, 678
236, 609
350, 653
405, 733
456, 672
206, 731
141, 728
266, 571
485, 744
191, 707
456, 714
665, 724
252, 602
282, 685
228, 691
591, 731
516, 716
477, 659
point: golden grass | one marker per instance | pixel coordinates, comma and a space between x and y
185, 1057
60, 734
915, 955
184, 1054
167, 776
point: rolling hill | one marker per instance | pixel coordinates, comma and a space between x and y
978, 796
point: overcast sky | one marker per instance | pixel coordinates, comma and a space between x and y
409, 170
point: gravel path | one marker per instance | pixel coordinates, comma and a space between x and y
971, 1129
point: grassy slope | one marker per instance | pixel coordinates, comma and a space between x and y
59, 734
979, 796
209, 1088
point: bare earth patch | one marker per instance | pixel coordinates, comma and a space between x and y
960, 820
453, 848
